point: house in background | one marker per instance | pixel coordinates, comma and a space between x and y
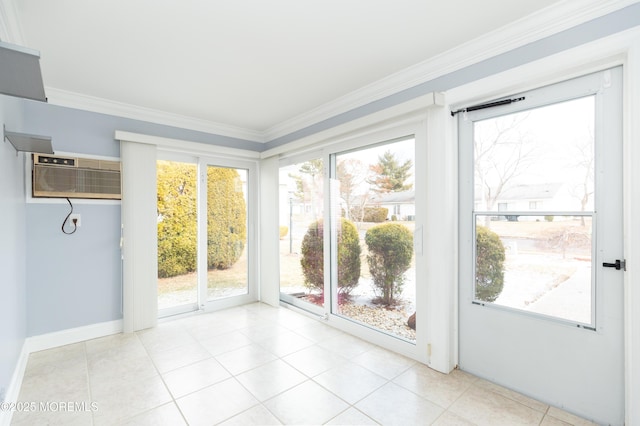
401, 205
535, 198
550, 196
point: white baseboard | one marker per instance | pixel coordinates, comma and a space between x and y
13, 391
72, 335
49, 341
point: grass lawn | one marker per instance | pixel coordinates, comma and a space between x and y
217, 280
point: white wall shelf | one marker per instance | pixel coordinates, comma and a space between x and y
29, 143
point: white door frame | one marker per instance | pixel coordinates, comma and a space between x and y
426, 118
554, 347
252, 232
620, 49
187, 149
416, 129
187, 307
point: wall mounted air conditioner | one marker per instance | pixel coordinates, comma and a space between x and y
72, 177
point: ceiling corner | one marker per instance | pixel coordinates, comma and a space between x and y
10, 28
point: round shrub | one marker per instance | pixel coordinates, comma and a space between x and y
284, 230
489, 265
390, 251
348, 257
375, 214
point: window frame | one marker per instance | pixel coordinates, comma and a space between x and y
560, 92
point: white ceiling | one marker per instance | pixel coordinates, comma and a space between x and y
245, 64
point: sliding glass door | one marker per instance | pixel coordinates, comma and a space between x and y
301, 207
205, 253
227, 226
347, 223
373, 278
177, 183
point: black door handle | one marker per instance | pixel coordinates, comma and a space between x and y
620, 264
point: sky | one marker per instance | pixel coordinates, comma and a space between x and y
556, 142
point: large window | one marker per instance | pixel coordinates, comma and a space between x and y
227, 230
534, 217
301, 201
373, 220
346, 236
204, 253
177, 235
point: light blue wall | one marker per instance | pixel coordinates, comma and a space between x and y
74, 130
75, 280
12, 248
72, 280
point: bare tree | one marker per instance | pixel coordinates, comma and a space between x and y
309, 183
502, 152
584, 161
350, 173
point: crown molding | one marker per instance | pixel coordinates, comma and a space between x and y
105, 106
185, 146
10, 28
405, 112
546, 22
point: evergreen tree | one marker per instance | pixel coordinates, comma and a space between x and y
177, 218
226, 217
177, 214
389, 175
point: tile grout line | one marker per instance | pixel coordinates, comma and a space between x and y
231, 374
447, 410
313, 378
308, 378
173, 400
545, 415
261, 403
86, 360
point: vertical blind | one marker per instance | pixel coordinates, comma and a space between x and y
139, 236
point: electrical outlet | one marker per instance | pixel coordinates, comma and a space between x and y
77, 217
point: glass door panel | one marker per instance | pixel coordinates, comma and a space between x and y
301, 202
546, 266
227, 225
177, 237
535, 217
372, 223
540, 219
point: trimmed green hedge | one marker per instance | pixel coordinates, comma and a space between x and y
226, 217
177, 213
390, 252
375, 214
370, 214
177, 218
348, 257
490, 257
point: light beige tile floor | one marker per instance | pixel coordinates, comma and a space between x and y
258, 365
